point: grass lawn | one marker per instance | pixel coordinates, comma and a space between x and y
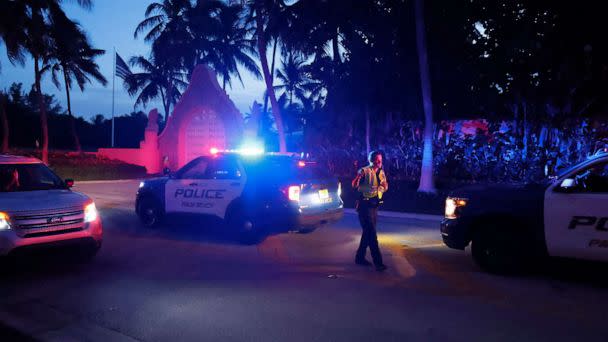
88, 166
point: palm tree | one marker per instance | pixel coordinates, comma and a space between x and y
12, 34
167, 31
38, 43
231, 46
162, 17
427, 183
12, 16
293, 78
265, 15
74, 58
154, 82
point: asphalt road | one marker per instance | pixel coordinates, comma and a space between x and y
192, 281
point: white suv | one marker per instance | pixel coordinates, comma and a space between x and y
37, 208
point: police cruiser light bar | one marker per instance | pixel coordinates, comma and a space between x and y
248, 151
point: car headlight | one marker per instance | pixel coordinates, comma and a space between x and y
141, 184
453, 206
90, 213
4, 221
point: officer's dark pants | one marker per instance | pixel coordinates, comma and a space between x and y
367, 217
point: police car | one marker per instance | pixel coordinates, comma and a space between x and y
38, 209
253, 192
508, 227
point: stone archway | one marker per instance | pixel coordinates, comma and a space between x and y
203, 131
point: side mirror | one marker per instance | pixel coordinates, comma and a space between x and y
69, 182
567, 185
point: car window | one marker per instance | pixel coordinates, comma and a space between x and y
28, 177
223, 168
593, 179
196, 169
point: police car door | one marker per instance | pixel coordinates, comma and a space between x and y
226, 182
576, 214
184, 193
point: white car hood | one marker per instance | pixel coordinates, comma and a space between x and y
40, 200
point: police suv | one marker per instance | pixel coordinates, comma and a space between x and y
252, 192
566, 216
38, 209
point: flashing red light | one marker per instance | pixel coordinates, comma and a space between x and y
293, 192
214, 150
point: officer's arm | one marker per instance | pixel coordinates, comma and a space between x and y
355, 182
384, 182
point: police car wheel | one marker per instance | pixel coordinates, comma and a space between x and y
493, 251
149, 213
244, 227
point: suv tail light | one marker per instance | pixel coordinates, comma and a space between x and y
293, 192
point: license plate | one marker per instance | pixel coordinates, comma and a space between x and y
323, 194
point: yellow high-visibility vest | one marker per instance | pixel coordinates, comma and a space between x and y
369, 184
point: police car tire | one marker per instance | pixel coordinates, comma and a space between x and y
146, 204
493, 248
236, 220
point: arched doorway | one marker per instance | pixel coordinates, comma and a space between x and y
204, 131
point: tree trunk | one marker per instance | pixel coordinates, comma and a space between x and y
427, 183
268, 79
72, 121
274, 55
5, 129
336, 49
524, 155
169, 96
43, 120
165, 103
367, 131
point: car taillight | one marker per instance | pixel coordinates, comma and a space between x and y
293, 193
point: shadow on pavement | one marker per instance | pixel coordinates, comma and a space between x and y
9, 334
175, 227
44, 261
587, 273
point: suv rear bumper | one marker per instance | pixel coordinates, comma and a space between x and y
10, 241
319, 218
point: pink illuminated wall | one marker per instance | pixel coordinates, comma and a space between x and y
204, 117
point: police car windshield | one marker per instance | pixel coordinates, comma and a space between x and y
281, 168
28, 177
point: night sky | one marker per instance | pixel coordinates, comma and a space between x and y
111, 23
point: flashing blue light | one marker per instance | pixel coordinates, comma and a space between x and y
251, 151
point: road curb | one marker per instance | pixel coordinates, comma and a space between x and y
396, 214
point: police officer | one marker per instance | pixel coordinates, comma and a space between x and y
371, 183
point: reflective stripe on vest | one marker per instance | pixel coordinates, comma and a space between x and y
369, 184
